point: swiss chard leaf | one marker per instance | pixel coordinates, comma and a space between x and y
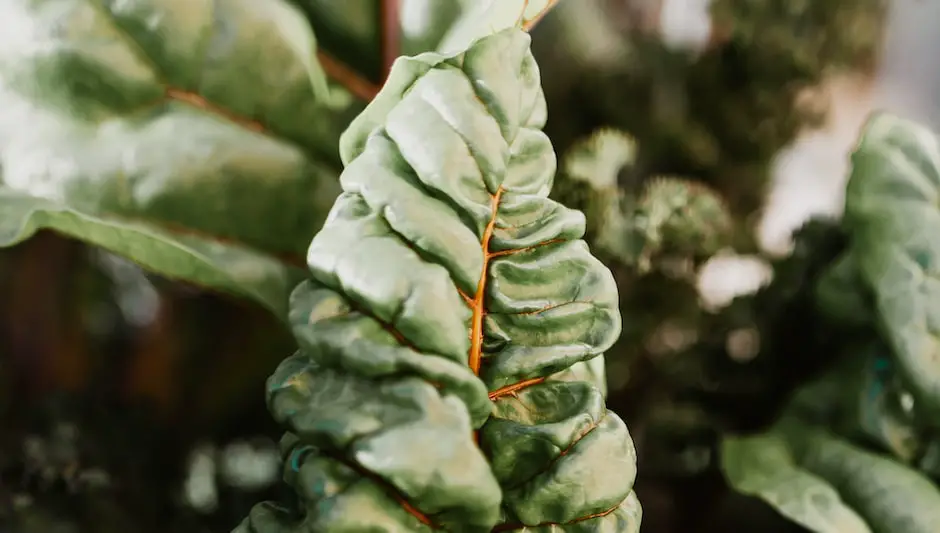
448, 300
764, 466
165, 129
892, 213
829, 485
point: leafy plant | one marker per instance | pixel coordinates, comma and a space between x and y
883, 393
456, 313
445, 227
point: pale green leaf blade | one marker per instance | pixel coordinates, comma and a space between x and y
893, 214
889, 495
819, 479
763, 466
220, 266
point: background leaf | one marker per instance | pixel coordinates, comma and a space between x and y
892, 214
173, 117
823, 481
764, 466
222, 266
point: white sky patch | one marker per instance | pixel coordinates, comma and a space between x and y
415, 16
686, 24
726, 276
808, 178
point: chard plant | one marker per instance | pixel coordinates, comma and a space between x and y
449, 304
473, 317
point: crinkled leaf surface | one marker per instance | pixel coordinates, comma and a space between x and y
829, 485
448, 298
893, 213
160, 115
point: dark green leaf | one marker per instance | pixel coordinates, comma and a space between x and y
829, 485
445, 228
350, 31
841, 293
892, 213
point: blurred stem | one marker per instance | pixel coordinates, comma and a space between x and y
390, 38
391, 34
351, 80
529, 24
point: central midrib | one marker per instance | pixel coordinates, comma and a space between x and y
476, 305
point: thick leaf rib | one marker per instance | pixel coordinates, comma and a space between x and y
449, 300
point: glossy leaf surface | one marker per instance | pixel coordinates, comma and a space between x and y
173, 117
448, 300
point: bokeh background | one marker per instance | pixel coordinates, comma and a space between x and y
134, 403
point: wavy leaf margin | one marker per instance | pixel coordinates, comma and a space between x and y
449, 294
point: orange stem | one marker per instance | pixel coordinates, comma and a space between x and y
354, 83
476, 327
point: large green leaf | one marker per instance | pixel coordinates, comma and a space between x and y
827, 484
448, 297
764, 466
892, 213
139, 118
